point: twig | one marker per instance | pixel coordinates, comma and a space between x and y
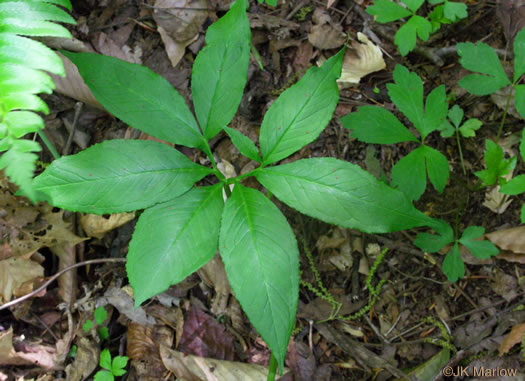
54, 277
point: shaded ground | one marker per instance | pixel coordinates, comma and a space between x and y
419, 317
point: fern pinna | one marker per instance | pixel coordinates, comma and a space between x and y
21, 79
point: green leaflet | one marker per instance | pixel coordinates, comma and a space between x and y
453, 265
519, 55
405, 38
373, 124
480, 248
387, 11
343, 194
117, 176
261, 258
243, 144
301, 112
174, 239
517, 184
140, 98
431, 242
220, 71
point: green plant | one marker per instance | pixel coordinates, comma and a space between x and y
183, 225
374, 124
490, 75
467, 129
112, 368
453, 265
517, 184
100, 316
497, 165
386, 11
22, 61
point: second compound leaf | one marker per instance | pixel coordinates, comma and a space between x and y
437, 168
453, 265
409, 174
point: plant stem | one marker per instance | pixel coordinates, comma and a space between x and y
48, 144
504, 114
460, 152
272, 368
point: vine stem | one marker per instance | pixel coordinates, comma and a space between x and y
504, 114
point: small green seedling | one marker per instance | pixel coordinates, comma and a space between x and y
467, 129
490, 75
517, 184
497, 165
386, 11
453, 265
183, 225
373, 124
113, 368
100, 316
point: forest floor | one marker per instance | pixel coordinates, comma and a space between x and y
420, 322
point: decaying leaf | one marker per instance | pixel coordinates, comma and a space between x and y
86, 360
14, 272
325, 34
500, 98
214, 275
512, 338
511, 14
512, 239
364, 59
189, 367
32, 354
96, 226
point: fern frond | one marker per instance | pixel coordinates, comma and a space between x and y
21, 79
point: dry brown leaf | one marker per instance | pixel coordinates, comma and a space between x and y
96, 226
512, 239
14, 272
194, 368
86, 360
73, 85
214, 275
512, 16
38, 355
364, 59
326, 36
512, 338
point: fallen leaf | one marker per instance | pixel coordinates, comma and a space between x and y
512, 239
204, 336
512, 338
511, 14
326, 36
96, 226
35, 355
14, 272
195, 368
86, 360
364, 59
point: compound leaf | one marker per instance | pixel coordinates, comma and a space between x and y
261, 258
483, 59
387, 11
104, 375
407, 95
243, 144
139, 97
495, 162
118, 176
469, 128
455, 11
409, 174
118, 365
174, 239
437, 168
220, 70
301, 112
373, 124
480, 248
19, 167
453, 265
519, 55
343, 194
431, 242
105, 359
